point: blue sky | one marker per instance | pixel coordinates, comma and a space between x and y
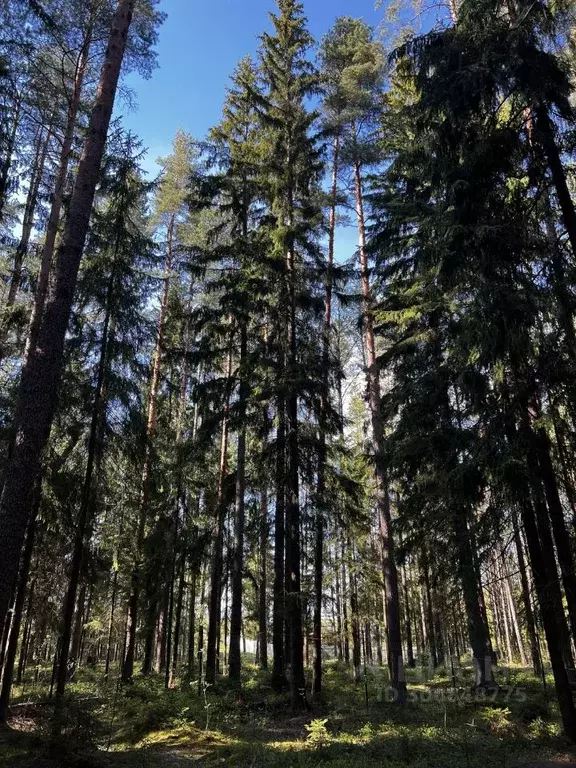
200, 44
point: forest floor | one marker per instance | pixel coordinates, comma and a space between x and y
356, 726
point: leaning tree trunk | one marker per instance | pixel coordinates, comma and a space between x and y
41, 373
390, 573
58, 192
134, 598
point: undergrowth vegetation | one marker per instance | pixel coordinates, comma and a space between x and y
440, 726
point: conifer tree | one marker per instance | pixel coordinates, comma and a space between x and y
291, 176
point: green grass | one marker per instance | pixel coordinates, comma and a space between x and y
144, 725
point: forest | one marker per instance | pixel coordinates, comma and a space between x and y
267, 499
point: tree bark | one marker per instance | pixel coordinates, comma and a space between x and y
390, 573
8, 157
278, 669
263, 589
214, 605
41, 373
58, 192
546, 134
43, 143
135, 586
84, 521
12, 648
237, 570
528, 613
321, 479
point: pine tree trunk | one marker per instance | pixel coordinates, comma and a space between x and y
6, 164
540, 512
355, 617
192, 623
178, 623
471, 588
41, 374
429, 614
559, 530
214, 605
42, 145
78, 625
53, 222
546, 134
528, 613
512, 611
201, 676
263, 590
84, 521
167, 651
10, 659
407, 621
321, 481
113, 599
549, 619
278, 618
338, 612
237, 571
293, 553
395, 659
135, 586
345, 612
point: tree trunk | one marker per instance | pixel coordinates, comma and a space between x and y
135, 586
84, 522
471, 588
263, 590
41, 373
293, 553
395, 659
559, 530
178, 623
278, 669
113, 599
429, 614
43, 143
528, 613
12, 648
321, 481
546, 135
8, 157
58, 192
236, 576
345, 627
549, 620
512, 611
214, 606
355, 617
407, 620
